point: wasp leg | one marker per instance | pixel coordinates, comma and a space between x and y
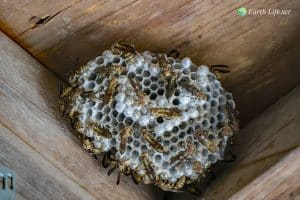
118, 177
105, 160
111, 170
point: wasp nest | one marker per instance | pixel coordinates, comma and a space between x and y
160, 119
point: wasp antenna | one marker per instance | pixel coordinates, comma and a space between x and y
225, 66
111, 170
133, 178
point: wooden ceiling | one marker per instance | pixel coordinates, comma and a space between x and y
262, 51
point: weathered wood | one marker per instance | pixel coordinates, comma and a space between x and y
263, 142
36, 178
261, 50
28, 104
280, 182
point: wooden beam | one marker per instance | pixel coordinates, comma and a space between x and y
29, 109
281, 181
35, 177
262, 50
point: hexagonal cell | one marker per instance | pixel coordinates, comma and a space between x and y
146, 73
160, 91
146, 82
139, 78
153, 86
116, 60
153, 96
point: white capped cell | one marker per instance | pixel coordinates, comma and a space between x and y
186, 63
128, 111
120, 97
107, 55
144, 120
154, 70
193, 112
203, 70
120, 106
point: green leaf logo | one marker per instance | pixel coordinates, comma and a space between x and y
242, 11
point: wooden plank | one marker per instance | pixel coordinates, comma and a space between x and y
258, 147
28, 105
262, 50
36, 178
280, 182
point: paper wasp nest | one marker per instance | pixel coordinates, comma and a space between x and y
162, 120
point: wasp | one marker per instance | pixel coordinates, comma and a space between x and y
148, 166
233, 123
113, 69
152, 141
127, 51
95, 151
125, 133
197, 166
226, 130
201, 136
100, 131
193, 89
123, 168
68, 96
219, 68
87, 144
90, 95
106, 161
135, 177
180, 183
212, 146
111, 90
181, 156
63, 98
167, 73
171, 85
137, 89
166, 112
74, 78
165, 66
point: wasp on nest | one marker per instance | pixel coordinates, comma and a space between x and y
157, 118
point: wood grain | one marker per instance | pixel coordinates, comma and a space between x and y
280, 182
28, 104
261, 144
261, 50
36, 178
